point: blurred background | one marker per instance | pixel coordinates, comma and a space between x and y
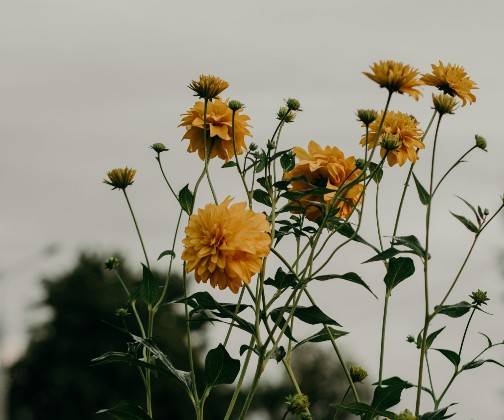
87, 86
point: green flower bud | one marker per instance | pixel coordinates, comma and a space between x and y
293, 104
481, 142
357, 373
121, 312
297, 404
410, 339
360, 163
366, 116
406, 415
112, 263
253, 147
158, 147
479, 297
235, 105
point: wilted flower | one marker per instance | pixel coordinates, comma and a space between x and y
219, 132
452, 80
226, 243
357, 373
396, 77
366, 116
293, 104
407, 131
208, 86
325, 168
158, 147
479, 297
298, 404
120, 177
481, 142
112, 263
285, 114
444, 103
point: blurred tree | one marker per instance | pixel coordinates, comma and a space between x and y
54, 379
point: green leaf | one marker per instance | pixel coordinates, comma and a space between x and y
282, 280
262, 197
411, 242
399, 269
277, 317
365, 410
454, 311
287, 161
220, 367
229, 164
422, 192
245, 347
149, 289
432, 336
473, 209
310, 314
345, 229
281, 185
182, 376
477, 363
384, 255
321, 336
186, 199
352, 277
376, 171
489, 341
389, 394
121, 357
450, 355
261, 162
165, 253
437, 415
126, 410
466, 222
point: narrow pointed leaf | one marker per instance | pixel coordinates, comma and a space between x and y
384, 255
450, 355
466, 222
351, 277
422, 192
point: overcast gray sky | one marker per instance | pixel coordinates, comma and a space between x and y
87, 86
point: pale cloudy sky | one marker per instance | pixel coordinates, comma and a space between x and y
87, 86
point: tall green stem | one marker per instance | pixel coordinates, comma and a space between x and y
382, 343
136, 227
423, 349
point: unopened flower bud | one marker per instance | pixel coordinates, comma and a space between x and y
410, 339
285, 114
112, 263
444, 104
390, 141
406, 415
366, 116
293, 104
121, 312
120, 177
479, 297
360, 163
253, 147
270, 144
357, 373
486, 212
481, 142
158, 147
298, 404
235, 105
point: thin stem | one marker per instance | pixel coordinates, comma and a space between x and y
228, 334
430, 376
426, 273
410, 172
342, 401
465, 332
158, 158
240, 172
188, 333
377, 211
136, 227
383, 330
458, 162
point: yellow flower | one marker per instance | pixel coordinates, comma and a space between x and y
453, 80
405, 128
324, 168
444, 104
208, 86
120, 177
219, 133
226, 244
396, 77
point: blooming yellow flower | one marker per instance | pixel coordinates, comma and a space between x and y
226, 243
208, 86
396, 77
405, 128
325, 168
453, 80
219, 130
120, 177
